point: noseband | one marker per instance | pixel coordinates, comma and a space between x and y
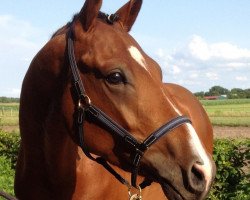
86, 109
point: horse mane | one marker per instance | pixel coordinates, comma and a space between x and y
109, 19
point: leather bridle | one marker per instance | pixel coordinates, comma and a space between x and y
86, 109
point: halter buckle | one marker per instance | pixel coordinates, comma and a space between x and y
136, 196
84, 101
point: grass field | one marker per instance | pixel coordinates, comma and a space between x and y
221, 112
9, 114
231, 112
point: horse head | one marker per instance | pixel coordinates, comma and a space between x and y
121, 80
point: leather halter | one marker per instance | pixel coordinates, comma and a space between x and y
86, 108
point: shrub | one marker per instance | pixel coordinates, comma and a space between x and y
6, 175
9, 145
232, 159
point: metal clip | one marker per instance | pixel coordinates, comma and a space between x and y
136, 196
87, 100
84, 101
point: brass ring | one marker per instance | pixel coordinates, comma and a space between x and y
84, 102
87, 100
136, 196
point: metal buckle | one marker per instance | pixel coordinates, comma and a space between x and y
87, 100
84, 101
136, 196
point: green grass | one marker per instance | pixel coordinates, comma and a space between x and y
232, 112
224, 102
9, 114
6, 176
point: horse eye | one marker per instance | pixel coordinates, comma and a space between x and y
115, 78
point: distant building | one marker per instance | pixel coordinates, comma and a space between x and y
211, 97
215, 97
224, 96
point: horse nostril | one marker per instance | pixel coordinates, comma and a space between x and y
197, 180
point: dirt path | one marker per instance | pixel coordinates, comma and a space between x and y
231, 132
10, 129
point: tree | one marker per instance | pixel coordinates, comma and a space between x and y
9, 100
247, 92
217, 90
237, 93
199, 95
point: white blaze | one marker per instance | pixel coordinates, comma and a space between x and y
206, 167
167, 99
195, 143
137, 56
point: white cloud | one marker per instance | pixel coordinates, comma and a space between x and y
194, 75
241, 78
9, 92
176, 70
13, 92
212, 76
19, 42
18, 38
235, 65
160, 53
229, 51
200, 49
201, 64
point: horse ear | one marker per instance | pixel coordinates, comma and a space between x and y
128, 13
89, 13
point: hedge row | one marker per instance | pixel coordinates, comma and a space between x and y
6, 176
232, 181
9, 144
232, 159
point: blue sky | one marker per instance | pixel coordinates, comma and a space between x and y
198, 43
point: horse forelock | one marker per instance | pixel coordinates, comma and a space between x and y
103, 16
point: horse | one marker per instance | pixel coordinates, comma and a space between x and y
94, 112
